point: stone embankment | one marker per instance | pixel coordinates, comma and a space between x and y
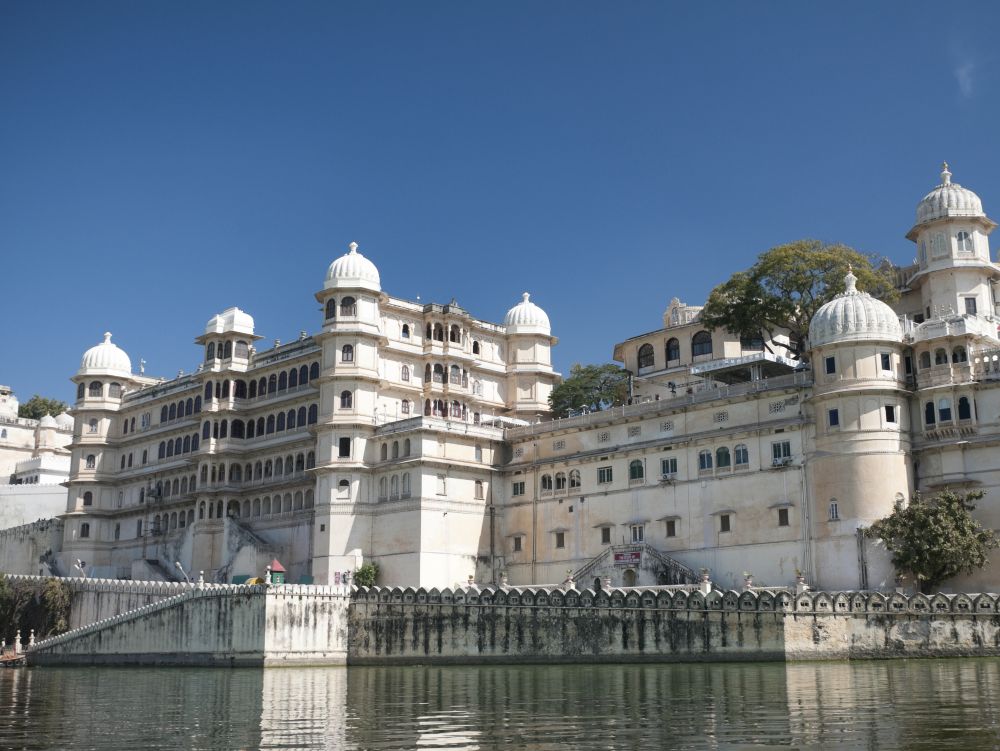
266, 625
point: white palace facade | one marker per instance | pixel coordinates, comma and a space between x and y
408, 434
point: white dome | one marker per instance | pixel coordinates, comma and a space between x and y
231, 319
948, 199
527, 318
64, 420
353, 271
854, 316
48, 421
106, 356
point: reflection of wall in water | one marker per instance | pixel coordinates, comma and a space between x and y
304, 708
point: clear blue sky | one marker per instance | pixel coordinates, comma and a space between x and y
161, 161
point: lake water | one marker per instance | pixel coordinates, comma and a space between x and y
905, 704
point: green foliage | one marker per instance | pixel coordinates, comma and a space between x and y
26, 605
366, 575
594, 387
787, 285
38, 406
936, 539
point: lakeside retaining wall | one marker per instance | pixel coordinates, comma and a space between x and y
213, 624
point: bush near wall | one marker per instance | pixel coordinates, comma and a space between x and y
39, 605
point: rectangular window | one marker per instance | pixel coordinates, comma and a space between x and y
604, 475
560, 539
344, 447
442, 485
782, 517
833, 417
908, 365
605, 535
672, 528
834, 511
637, 532
781, 450
970, 305
517, 488
831, 365
517, 544
890, 413
724, 522
886, 361
668, 466
138, 528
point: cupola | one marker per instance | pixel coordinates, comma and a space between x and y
105, 358
527, 318
353, 271
854, 316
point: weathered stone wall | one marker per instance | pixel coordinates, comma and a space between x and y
30, 548
546, 625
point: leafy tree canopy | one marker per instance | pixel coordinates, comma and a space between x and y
38, 406
592, 387
788, 284
936, 539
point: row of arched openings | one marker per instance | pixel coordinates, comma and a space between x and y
262, 426
96, 390
560, 481
941, 411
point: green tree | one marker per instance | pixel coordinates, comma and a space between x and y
38, 406
787, 285
366, 575
595, 387
937, 538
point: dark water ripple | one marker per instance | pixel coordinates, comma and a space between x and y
907, 704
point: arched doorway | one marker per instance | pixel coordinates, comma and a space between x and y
597, 583
629, 578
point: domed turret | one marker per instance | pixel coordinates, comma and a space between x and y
231, 319
106, 357
947, 200
64, 420
48, 421
854, 316
527, 318
353, 271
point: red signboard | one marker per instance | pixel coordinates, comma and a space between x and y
629, 558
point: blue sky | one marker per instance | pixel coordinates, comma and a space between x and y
161, 161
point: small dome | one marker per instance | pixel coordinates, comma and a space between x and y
231, 319
527, 318
106, 356
352, 271
854, 316
948, 199
48, 421
64, 420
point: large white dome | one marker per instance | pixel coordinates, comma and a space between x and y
527, 318
948, 199
106, 357
352, 271
854, 316
231, 319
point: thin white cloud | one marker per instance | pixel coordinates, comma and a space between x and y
965, 76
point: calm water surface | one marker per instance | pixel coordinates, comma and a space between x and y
914, 704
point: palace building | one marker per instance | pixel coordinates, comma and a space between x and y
408, 434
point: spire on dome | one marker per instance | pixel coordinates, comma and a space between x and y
945, 174
525, 296
850, 282
107, 337
354, 247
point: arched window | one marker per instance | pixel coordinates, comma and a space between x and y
427, 407
438, 373
85, 530
272, 383
313, 372
395, 449
406, 331
270, 425
125, 426
348, 307
145, 456
282, 381
455, 374
428, 334
406, 447
131, 425
88, 499
347, 353
300, 417
164, 413
162, 451
438, 332
242, 349
406, 485
440, 410
384, 451
959, 354
574, 478
964, 408
475, 348
188, 407
704, 460
701, 344
455, 334
964, 242
925, 360
238, 429
172, 412
673, 350
194, 442
80, 391
313, 414
281, 422
197, 404
186, 446
645, 357
175, 487
170, 449
546, 483
260, 427
940, 357
479, 489
291, 419
293, 378
250, 429
929, 413
129, 458
92, 426
310, 460
560, 480
206, 430
208, 391
741, 457
346, 400
456, 409
722, 458
91, 461
95, 389
404, 373
115, 391
944, 410
268, 468
300, 462
224, 429
331, 308
636, 471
